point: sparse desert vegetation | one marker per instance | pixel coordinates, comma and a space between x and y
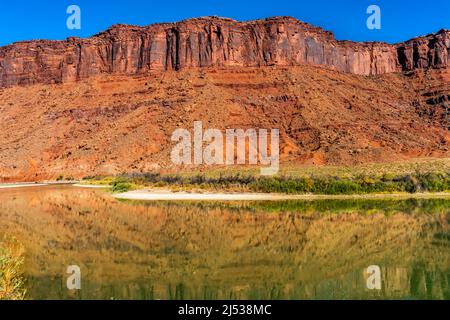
12, 283
410, 177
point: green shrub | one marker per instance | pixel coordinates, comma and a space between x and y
334, 185
120, 186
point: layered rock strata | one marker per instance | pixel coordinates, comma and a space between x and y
212, 42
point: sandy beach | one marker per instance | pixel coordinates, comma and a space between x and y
93, 186
167, 195
21, 185
36, 184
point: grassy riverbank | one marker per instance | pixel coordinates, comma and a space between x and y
412, 177
12, 285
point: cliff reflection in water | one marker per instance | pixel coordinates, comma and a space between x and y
276, 250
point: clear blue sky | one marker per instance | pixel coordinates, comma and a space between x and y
46, 19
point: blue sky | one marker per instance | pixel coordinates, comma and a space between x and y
46, 19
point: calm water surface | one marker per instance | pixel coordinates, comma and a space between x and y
246, 250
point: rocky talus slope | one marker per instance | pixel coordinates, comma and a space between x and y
114, 124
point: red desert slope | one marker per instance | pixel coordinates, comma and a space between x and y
109, 104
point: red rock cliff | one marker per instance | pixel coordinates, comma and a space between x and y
212, 42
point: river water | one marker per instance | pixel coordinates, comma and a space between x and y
228, 250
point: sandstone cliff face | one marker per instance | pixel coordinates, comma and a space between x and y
211, 42
425, 52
